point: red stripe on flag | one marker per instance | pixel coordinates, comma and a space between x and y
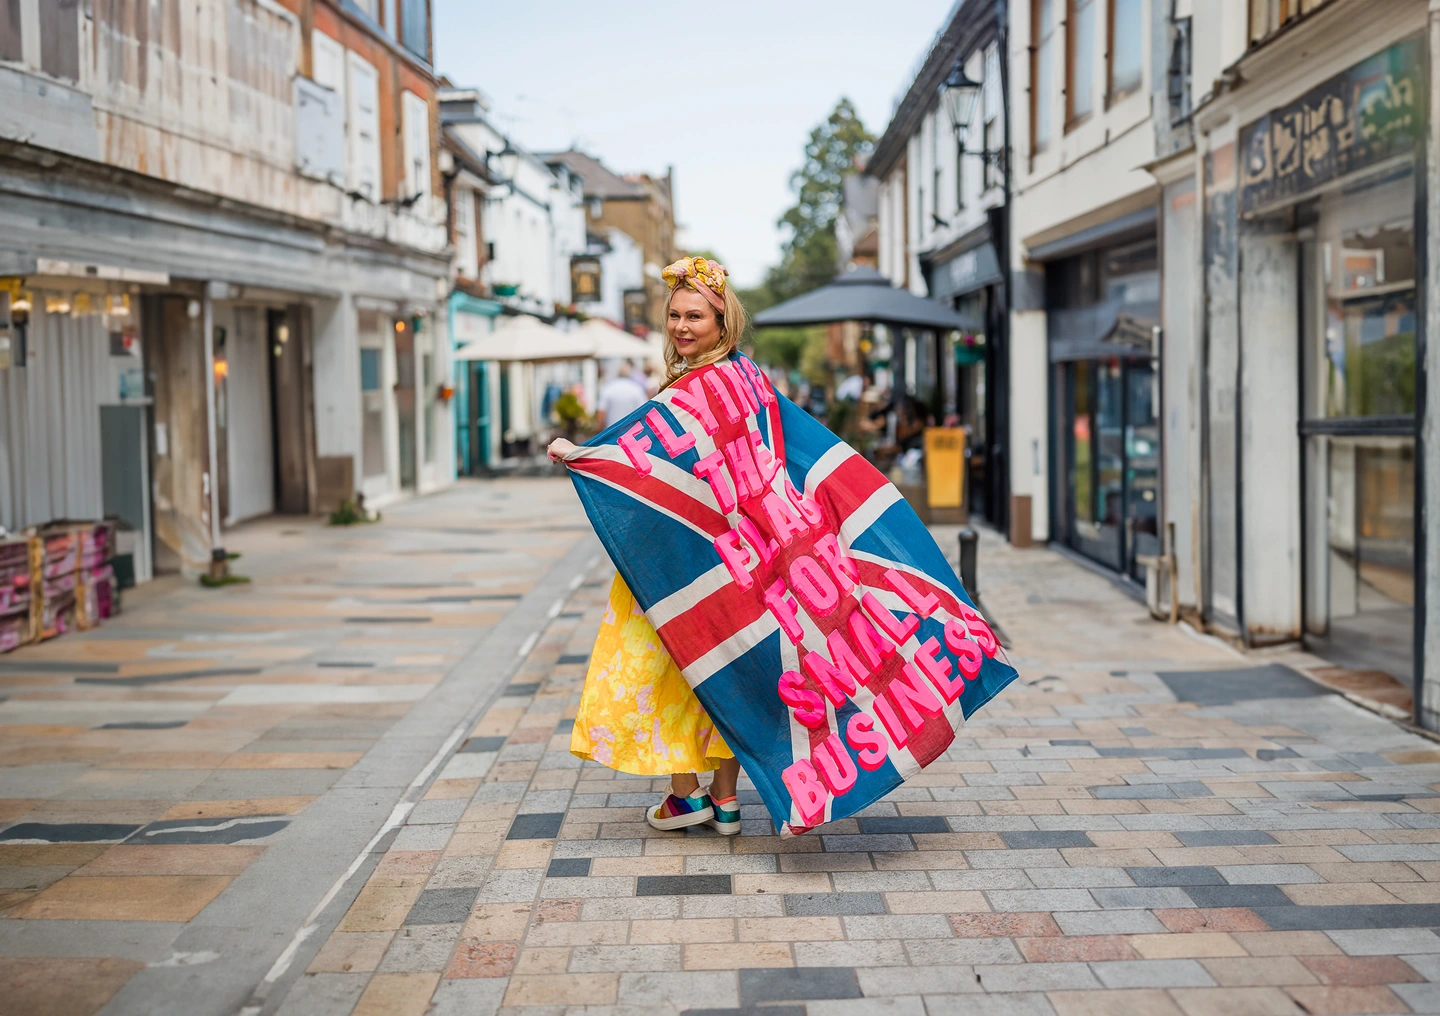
656, 491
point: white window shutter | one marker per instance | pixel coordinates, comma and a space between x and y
417, 151
364, 127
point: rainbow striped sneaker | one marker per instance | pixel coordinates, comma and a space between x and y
681, 812
727, 816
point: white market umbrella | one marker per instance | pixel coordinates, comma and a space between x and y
611, 343
527, 338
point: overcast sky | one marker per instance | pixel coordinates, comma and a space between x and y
726, 92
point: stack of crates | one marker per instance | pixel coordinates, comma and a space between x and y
15, 621
96, 592
55, 564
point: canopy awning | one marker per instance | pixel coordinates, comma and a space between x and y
611, 343
527, 338
861, 294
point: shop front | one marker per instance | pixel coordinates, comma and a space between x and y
1102, 309
472, 318
1343, 227
967, 277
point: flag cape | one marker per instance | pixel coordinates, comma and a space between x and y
804, 601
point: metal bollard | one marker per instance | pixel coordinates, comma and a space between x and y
969, 546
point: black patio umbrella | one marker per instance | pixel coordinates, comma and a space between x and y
862, 294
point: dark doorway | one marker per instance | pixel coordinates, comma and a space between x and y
405, 399
288, 412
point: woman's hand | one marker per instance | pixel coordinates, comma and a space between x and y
559, 448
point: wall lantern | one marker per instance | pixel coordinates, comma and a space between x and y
958, 94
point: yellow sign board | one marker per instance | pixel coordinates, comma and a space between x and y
945, 466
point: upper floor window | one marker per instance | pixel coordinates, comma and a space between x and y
467, 254
415, 27
1042, 72
1080, 79
992, 140
1127, 33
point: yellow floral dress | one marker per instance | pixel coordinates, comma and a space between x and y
637, 713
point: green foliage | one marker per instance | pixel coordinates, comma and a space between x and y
349, 513
809, 253
569, 409
212, 582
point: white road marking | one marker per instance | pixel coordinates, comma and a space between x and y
397, 817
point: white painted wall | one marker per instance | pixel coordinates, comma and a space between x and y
621, 269
1029, 417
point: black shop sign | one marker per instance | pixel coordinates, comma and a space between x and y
1359, 118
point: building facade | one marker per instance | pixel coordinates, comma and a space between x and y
643, 208
224, 261
941, 232
1084, 425
1295, 207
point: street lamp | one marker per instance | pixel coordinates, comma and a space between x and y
958, 94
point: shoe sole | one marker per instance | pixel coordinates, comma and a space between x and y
725, 828
680, 821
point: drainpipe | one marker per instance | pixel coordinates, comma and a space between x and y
219, 562
1000, 436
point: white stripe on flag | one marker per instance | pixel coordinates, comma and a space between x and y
826, 464
689, 596
732, 649
865, 516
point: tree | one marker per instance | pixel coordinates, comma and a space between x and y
809, 256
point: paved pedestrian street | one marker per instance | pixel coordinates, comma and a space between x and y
347, 789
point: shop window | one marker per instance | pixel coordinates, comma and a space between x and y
369, 370
1367, 350
1080, 67
1127, 28
1359, 354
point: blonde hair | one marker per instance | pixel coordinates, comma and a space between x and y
732, 327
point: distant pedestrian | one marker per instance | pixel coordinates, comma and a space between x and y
619, 396
637, 713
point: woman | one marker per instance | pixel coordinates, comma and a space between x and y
637, 713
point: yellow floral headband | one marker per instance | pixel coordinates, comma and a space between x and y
705, 277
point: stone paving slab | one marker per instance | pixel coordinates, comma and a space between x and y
182, 785
1091, 843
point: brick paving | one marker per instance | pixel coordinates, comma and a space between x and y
1094, 843
1138, 825
192, 770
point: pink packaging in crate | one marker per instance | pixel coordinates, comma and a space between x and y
14, 599
14, 631
61, 555
95, 597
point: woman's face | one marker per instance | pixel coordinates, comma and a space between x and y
694, 326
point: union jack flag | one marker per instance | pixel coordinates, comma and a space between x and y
803, 600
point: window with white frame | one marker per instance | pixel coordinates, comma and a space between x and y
992, 130
1080, 67
935, 217
467, 255
1127, 30
416, 124
1044, 52
363, 127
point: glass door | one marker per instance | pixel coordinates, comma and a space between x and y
1142, 467
1359, 354
1112, 449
